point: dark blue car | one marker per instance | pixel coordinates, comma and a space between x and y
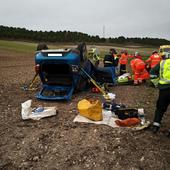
60, 72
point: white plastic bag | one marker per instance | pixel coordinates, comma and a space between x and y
36, 114
26, 109
112, 96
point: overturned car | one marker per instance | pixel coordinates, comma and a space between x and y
61, 74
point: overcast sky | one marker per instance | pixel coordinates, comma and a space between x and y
129, 18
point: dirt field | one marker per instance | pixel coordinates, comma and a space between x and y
59, 143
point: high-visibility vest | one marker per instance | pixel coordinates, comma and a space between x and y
137, 64
96, 57
164, 72
154, 60
132, 64
123, 59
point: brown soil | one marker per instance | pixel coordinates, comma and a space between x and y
59, 143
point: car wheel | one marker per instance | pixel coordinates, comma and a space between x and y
42, 46
83, 51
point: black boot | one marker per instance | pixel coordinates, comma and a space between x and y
154, 129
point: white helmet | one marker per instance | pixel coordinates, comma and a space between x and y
136, 53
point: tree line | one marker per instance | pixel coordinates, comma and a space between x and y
74, 37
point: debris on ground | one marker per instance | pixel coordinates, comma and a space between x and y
59, 143
108, 119
27, 112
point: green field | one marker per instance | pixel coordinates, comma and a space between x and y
23, 47
28, 47
17, 46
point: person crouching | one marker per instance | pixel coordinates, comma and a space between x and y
139, 71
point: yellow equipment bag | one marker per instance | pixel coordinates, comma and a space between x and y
92, 109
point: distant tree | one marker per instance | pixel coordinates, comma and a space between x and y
68, 36
121, 39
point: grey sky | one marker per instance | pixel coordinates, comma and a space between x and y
130, 18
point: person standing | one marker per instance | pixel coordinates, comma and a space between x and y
108, 62
162, 70
123, 62
115, 59
153, 60
139, 70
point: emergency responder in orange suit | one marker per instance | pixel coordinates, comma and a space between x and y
153, 60
123, 62
139, 71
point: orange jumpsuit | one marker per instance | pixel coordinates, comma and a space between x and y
153, 60
123, 61
139, 70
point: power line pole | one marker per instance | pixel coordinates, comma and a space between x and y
103, 31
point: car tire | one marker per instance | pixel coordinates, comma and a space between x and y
83, 51
42, 46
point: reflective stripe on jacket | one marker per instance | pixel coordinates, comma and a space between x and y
164, 72
108, 62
